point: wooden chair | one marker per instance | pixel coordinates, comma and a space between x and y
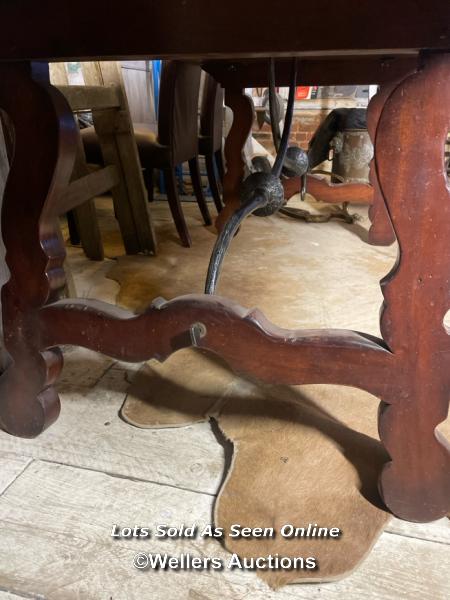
210, 139
121, 174
177, 140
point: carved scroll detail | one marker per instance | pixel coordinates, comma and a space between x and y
245, 339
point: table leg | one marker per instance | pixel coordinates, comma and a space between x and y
381, 232
409, 160
44, 139
242, 108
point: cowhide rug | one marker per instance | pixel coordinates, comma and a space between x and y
300, 455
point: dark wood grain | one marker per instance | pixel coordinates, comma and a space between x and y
250, 343
381, 232
333, 70
34, 248
409, 157
242, 108
179, 28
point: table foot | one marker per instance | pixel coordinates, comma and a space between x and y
29, 402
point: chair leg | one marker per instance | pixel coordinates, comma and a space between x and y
74, 234
220, 164
87, 226
214, 183
194, 169
175, 206
148, 181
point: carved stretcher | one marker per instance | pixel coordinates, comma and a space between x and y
406, 51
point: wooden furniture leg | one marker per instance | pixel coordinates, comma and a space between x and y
148, 181
242, 108
175, 206
214, 181
41, 119
4, 271
84, 214
408, 369
381, 232
74, 234
220, 164
409, 162
194, 170
129, 196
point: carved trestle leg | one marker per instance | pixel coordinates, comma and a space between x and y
242, 108
381, 232
409, 162
41, 166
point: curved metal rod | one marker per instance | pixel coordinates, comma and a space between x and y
258, 198
281, 154
224, 239
274, 107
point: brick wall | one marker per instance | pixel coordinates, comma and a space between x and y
304, 124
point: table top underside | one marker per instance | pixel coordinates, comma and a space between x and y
337, 42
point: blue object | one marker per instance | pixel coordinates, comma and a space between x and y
156, 74
156, 71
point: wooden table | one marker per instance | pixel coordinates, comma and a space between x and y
404, 46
